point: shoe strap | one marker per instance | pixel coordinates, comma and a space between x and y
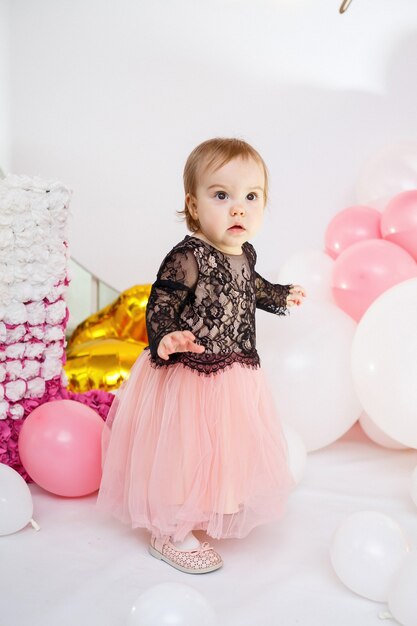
204, 547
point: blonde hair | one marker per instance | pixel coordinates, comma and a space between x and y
215, 153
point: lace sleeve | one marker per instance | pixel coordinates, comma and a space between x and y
271, 298
174, 286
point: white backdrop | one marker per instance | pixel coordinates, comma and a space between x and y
5, 138
110, 97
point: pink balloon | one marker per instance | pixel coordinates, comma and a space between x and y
399, 221
60, 447
367, 269
354, 224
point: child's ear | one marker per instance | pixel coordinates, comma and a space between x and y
191, 203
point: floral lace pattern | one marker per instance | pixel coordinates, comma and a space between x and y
215, 296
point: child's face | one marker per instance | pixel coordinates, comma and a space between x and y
229, 196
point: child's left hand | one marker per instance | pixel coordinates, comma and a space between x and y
296, 295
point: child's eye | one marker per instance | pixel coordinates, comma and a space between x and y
221, 195
251, 196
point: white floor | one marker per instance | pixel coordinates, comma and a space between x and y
82, 569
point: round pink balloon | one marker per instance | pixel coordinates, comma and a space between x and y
60, 447
399, 221
365, 270
354, 224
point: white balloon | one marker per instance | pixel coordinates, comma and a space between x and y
367, 552
413, 489
171, 604
297, 453
402, 600
306, 357
16, 506
388, 173
377, 435
313, 270
384, 364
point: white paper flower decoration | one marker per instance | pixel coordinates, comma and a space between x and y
33, 277
35, 387
15, 334
16, 411
15, 390
56, 312
34, 349
15, 313
30, 369
15, 351
4, 407
14, 369
36, 312
53, 333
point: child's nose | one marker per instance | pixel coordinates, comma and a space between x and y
238, 209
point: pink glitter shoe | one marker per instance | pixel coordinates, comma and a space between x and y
200, 561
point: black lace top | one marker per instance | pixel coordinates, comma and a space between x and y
214, 295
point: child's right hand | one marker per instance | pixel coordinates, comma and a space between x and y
178, 341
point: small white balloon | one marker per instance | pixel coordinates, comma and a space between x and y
384, 364
402, 599
413, 490
367, 552
297, 453
171, 604
312, 269
377, 435
16, 505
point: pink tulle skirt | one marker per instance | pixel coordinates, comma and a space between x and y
183, 452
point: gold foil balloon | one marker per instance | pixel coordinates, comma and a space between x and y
101, 364
123, 319
103, 348
130, 314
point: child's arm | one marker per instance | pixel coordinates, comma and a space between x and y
175, 284
269, 297
277, 298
